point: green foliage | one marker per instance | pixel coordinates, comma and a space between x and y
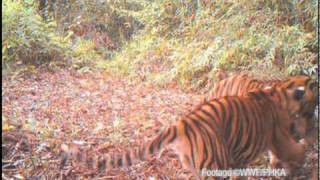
26, 38
83, 54
29, 39
187, 41
115, 18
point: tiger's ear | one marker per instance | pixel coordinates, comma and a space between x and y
298, 93
313, 86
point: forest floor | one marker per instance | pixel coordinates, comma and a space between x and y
99, 112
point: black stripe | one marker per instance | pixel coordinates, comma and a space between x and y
141, 152
220, 113
223, 109
250, 121
253, 84
290, 85
227, 87
151, 146
195, 138
245, 84
102, 165
214, 129
212, 118
119, 160
112, 162
253, 94
258, 95
242, 85
200, 131
218, 135
223, 85
213, 108
174, 134
160, 139
257, 127
268, 117
246, 122
128, 158
214, 126
241, 122
229, 121
185, 126
255, 140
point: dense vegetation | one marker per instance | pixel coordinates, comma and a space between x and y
188, 42
164, 41
86, 72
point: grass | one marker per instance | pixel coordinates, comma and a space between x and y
229, 36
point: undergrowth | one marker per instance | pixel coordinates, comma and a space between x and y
272, 37
30, 41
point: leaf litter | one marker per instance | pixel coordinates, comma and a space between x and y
101, 114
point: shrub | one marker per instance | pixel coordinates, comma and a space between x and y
206, 36
83, 54
27, 38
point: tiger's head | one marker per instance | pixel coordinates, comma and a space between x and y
296, 100
299, 95
305, 92
288, 102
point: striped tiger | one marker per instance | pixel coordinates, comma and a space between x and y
228, 132
238, 85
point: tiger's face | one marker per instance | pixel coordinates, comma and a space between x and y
305, 91
286, 125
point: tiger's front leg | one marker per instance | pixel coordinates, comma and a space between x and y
274, 161
287, 150
304, 128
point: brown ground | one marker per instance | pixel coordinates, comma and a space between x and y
100, 113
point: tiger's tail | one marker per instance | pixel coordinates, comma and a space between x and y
110, 161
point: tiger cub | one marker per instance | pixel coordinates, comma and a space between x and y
238, 85
228, 132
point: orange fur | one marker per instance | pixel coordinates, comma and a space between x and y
238, 85
224, 133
